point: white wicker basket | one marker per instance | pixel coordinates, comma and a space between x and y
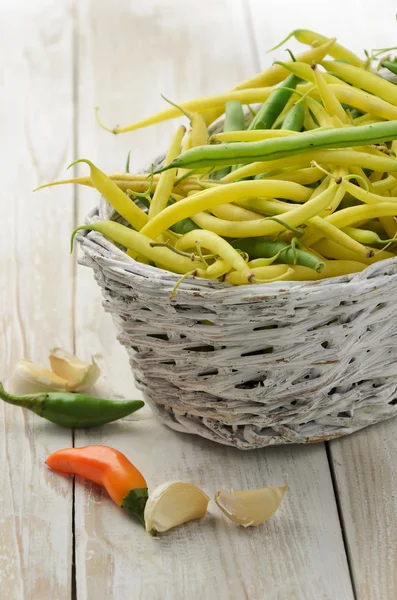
280, 363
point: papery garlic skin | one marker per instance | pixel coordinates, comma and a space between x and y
79, 374
251, 507
172, 504
30, 378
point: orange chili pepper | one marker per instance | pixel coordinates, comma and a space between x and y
107, 467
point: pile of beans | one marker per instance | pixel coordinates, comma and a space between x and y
302, 188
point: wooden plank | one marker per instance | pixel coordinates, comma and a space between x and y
36, 289
364, 464
348, 21
127, 57
366, 475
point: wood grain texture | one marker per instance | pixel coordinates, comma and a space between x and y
36, 289
366, 474
126, 58
364, 464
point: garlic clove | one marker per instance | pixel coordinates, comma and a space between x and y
172, 504
29, 378
250, 507
79, 374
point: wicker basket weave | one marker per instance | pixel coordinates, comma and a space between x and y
253, 366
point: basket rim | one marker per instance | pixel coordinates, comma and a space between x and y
101, 250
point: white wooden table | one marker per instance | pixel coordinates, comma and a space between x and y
335, 536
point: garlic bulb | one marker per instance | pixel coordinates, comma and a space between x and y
172, 504
79, 374
29, 378
250, 507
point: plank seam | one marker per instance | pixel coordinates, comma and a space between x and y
341, 518
75, 147
251, 35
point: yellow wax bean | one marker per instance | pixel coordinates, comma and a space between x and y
364, 212
305, 71
375, 176
199, 133
231, 212
340, 237
331, 103
364, 102
140, 178
245, 96
362, 179
358, 99
262, 262
371, 82
214, 271
366, 119
302, 176
217, 245
263, 206
389, 225
266, 274
384, 185
331, 249
319, 112
333, 268
251, 91
270, 77
115, 196
224, 194
140, 244
326, 157
309, 123
187, 145
364, 236
340, 193
266, 227
312, 38
277, 73
124, 184
364, 196
166, 183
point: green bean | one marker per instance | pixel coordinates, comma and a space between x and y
237, 152
390, 65
273, 106
234, 121
294, 118
234, 116
266, 248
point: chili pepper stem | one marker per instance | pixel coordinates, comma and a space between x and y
135, 502
34, 402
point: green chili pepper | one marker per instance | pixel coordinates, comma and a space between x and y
272, 108
73, 410
266, 248
238, 152
294, 118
